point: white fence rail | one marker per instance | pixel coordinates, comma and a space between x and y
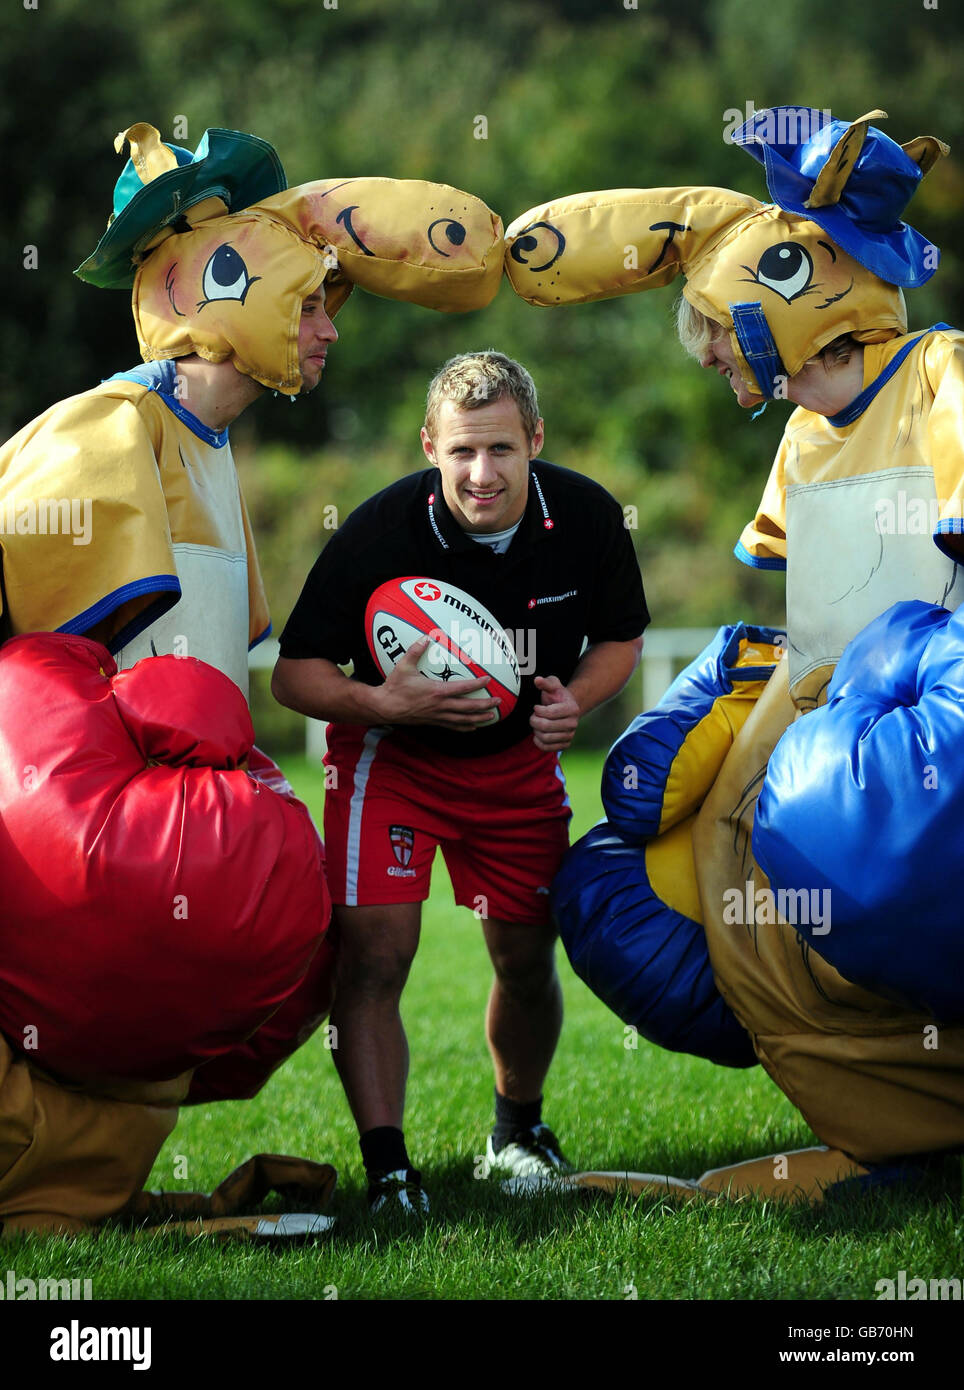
664, 650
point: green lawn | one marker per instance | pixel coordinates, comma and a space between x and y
614, 1108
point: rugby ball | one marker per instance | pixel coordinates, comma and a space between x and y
466, 639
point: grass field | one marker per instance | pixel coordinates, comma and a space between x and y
614, 1108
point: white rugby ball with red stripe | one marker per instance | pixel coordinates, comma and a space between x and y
466, 639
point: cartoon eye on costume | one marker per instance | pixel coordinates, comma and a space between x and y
225, 276
786, 268
454, 233
527, 242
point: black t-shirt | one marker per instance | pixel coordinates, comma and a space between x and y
570, 573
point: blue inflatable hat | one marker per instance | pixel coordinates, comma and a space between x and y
852, 180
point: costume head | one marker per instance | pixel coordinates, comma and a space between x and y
220, 253
827, 257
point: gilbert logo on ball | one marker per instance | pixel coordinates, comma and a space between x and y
466, 639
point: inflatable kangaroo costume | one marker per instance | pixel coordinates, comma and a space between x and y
764, 887
165, 907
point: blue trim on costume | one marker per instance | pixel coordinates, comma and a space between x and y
757, 562
162, 378
105, 606
757, 345
653, 739
261, 637
860, 403
951, 526
729, 668
730, 671
143, 620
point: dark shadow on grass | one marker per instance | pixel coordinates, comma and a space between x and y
460, 1202
463, 1205
852, 1209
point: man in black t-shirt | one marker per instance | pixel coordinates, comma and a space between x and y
419, 763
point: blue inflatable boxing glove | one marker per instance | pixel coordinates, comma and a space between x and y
645, 959
864, 802
658, 772
626, 899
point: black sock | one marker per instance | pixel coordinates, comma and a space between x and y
512, 1116
383, 1151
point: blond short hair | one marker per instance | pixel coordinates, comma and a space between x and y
694, 330
481, 378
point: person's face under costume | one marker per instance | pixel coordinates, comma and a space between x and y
720, 354
825, 388
315, 336
483, 456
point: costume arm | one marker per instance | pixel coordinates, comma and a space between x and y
658, 772
629, 912
763, 543
942, 364
86, 543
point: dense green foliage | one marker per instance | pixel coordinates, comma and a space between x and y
577, 95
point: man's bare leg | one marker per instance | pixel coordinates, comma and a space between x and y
522, 1025
524, 1016
376, 947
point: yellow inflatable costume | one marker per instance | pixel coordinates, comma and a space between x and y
123, 514
864, 509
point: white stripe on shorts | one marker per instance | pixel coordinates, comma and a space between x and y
359, 785
562, 778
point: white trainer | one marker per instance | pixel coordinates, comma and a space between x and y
531, 1153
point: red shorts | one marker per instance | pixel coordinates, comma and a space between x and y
502, 822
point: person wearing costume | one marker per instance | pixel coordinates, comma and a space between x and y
164, 931
763, 886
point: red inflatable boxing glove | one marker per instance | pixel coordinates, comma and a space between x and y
160, 902
240, 1073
